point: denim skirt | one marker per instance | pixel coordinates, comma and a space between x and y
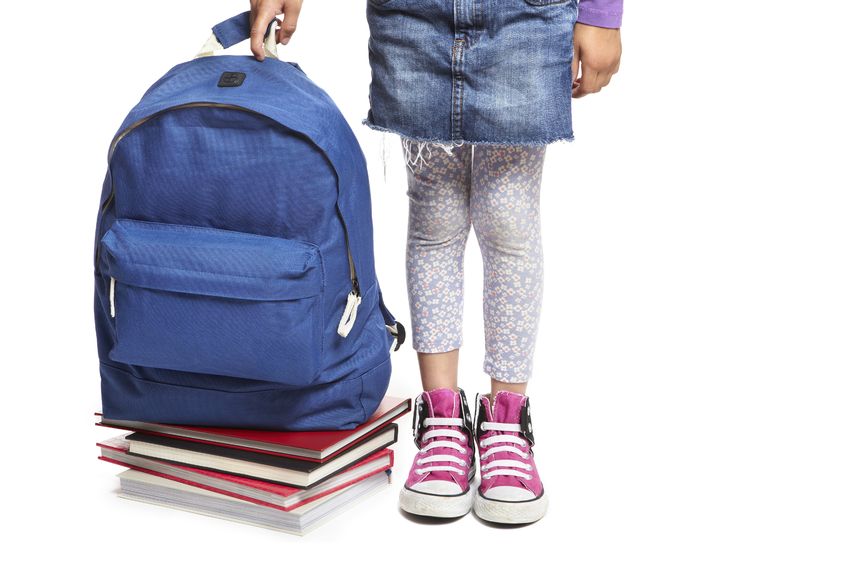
472, 71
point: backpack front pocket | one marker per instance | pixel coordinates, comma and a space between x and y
214, 301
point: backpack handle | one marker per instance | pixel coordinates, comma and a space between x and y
235, 30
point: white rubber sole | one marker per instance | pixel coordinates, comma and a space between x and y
436, 506
523, 512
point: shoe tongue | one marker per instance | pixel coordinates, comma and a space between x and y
443, 403
506, 407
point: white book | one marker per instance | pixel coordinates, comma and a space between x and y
143, 487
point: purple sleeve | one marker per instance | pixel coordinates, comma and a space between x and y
600, 13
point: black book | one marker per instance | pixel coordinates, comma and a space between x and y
284, 470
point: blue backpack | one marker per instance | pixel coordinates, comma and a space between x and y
234, 264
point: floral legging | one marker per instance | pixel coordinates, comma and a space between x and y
495, 189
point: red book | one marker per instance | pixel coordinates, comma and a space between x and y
273, 495
318, 446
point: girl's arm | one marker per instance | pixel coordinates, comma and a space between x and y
263, 12
597, 45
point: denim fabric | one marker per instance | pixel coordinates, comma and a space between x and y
476, 71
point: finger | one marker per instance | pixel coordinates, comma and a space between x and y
589, 83
580, 91
575, 66
279, 32
291, 12
257, 33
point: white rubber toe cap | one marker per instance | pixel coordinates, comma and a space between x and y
510, 511
442, 488
450, 504
509, 493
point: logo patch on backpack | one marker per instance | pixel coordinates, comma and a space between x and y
229, 80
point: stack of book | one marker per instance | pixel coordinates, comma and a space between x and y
288, 481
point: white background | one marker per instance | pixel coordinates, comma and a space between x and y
690, 391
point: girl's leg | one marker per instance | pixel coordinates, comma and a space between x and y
505, 214
440, 479
505, 189
439, 222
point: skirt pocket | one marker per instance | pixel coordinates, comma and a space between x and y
212, 301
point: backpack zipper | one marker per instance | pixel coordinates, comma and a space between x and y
354, 297
112, 296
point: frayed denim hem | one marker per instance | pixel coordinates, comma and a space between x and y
414, 156
457, 143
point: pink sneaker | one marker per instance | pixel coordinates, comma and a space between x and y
439, 482
510, 490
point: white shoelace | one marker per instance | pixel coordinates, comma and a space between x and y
500, 439
442, 457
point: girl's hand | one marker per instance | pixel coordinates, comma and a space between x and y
262, 13
597, 54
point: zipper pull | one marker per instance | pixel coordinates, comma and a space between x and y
354, 299
112, 297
